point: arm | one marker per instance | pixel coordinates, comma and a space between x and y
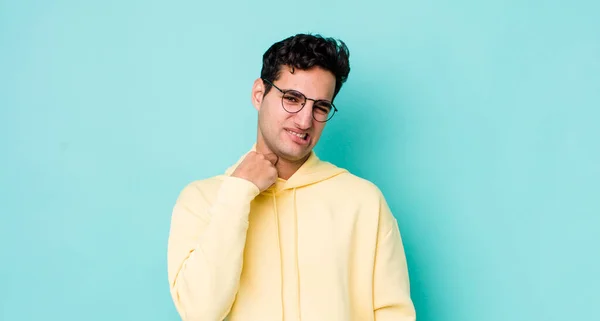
206, 247
391, 286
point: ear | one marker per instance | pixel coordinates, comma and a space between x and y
258, 90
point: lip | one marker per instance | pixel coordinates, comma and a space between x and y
297, 139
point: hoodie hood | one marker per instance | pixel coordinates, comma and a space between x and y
314, 170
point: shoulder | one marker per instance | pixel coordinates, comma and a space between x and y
203, 190
363, 197
363, 193
356, 188
351, 182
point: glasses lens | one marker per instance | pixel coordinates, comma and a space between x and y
323, 110
293, 101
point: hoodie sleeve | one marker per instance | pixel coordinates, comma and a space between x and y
391, 286
205, 248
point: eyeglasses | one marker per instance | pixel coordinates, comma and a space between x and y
293, 101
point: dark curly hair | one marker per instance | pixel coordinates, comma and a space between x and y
304, 51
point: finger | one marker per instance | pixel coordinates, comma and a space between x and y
272, 158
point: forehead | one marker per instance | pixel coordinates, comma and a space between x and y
315, 82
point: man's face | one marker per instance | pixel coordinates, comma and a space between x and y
292, 136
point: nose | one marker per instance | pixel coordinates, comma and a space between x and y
304, 117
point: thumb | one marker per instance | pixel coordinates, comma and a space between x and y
271, 157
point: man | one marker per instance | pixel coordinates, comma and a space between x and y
282, 235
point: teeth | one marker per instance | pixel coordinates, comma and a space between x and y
299, 135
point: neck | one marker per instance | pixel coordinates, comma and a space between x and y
285, 168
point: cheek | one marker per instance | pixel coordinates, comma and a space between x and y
272, 118
319, 127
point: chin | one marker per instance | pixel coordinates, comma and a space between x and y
294, 153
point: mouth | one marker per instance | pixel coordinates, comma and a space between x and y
301, 137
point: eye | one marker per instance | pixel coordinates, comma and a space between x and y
293, 97
323, 107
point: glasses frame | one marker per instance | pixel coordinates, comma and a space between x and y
283, 92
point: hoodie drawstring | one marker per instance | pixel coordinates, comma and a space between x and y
275, 213
297, 264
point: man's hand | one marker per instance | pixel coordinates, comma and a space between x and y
258, 169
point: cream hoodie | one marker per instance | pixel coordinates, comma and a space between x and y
321, 246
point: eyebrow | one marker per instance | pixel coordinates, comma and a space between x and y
296, 90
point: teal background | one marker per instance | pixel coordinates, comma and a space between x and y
478, 120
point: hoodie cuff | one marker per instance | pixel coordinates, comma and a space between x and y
237, 191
